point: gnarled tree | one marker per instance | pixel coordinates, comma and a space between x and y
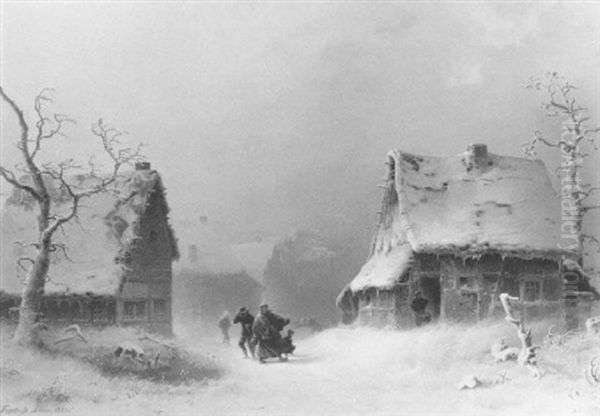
37, 179
577, 139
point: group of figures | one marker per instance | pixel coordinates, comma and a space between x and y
261, 335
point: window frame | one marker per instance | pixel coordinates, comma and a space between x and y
155, 303
539, 291
135, 304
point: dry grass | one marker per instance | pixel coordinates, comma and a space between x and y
72, 375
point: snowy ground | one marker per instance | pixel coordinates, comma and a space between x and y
337, 372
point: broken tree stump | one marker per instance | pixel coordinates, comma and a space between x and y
527, 356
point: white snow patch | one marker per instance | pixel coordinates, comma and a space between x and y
382, 270
507, 205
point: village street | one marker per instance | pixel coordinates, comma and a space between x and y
368, 372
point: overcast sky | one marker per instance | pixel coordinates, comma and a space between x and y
269, 116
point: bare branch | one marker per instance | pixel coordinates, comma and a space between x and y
527, 355
588, 192
589, 208
43, 121
590, 238
10, 178
23, 259
119, 156
61, 249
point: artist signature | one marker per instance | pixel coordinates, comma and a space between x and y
8, 409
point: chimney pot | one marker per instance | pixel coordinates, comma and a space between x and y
476, 157
142, 166
478, 150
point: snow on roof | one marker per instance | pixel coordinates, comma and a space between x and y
572, 265
254, 256
383, 269
91, 243
466, 204
502, 203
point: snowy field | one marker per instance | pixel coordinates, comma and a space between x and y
337, 372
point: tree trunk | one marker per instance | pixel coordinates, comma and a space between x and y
576, 183
27, 329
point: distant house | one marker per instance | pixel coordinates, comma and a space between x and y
211, 278
461, 230
254, 256
117, 267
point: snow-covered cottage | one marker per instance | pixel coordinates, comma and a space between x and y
460, 230
118, 258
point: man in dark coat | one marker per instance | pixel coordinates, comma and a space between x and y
245, 319
419, 305
266, 330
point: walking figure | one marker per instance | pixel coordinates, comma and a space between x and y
224, 325
245, 319
266, 331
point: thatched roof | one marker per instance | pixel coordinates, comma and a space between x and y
468, 204
383, 270
106, 229
504, 203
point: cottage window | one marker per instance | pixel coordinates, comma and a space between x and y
532, 290
466, 282
490, 278
140, 309
160, 307
468, 302
134, 310
129, 310
509, 285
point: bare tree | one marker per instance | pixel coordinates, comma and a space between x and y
36, 181
575, 143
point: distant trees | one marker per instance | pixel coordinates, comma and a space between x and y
301, 276
576, 142
37, 180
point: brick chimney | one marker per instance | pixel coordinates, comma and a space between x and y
477, 156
